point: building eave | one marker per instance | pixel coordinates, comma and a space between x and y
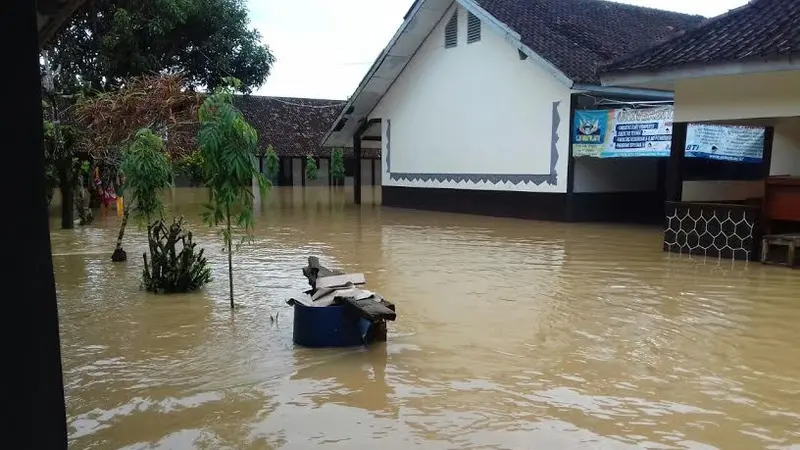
666, 79
417, 25
51, 15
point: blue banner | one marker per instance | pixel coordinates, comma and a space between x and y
623, 133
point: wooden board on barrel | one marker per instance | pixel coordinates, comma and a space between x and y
337, 311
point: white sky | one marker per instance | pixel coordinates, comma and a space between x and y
325, 47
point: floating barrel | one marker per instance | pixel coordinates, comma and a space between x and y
329, 326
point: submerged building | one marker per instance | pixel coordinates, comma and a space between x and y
738, 70
472, 104
294, 127
589, 110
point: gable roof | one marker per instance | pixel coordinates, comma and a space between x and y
293, 126
761, 30
570, 38
576, 36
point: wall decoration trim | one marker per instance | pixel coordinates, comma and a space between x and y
388, 145
550, 178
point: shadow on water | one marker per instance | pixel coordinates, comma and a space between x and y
510, 333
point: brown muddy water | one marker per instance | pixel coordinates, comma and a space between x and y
511, 335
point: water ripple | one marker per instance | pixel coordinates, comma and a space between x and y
510, 332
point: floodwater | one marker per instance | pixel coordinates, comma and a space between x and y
511, 335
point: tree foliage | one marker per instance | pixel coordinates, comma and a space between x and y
160, 102
272, 163
227, 144
337, 165
311, 168
147, 174
191, 167
106, 41
59, 142
62, 167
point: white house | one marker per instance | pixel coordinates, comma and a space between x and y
471, 104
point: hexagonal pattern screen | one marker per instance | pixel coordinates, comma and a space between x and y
724, 231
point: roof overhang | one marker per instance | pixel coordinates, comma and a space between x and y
666, 79
417, 25
51, 14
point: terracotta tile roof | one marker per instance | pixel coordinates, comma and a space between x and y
576, 36
294, 126
761, 30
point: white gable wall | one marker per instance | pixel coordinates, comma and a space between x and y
473, 109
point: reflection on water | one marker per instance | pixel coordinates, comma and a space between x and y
511, 335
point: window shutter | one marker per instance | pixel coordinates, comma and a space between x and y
451, 32
473, 28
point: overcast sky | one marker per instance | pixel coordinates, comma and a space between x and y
325, 47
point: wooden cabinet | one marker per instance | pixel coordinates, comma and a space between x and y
781, 199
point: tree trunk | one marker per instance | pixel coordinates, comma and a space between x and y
67, 198
261, 164
230, 256
119, 254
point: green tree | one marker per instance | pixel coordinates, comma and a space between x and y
147, 174
62, 169
191, 166
337, 166
228, 143
60, 137
106, 41
273, 164
311, 168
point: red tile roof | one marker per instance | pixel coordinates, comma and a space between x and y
576, 36
762, 30
293, 126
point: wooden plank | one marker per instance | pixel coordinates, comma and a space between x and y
387, 304
782, 239
792, 236
340, 280
316, 270
369, 308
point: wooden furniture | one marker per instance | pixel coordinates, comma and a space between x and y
790, 241
781, 200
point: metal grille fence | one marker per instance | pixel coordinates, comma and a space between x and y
724, 231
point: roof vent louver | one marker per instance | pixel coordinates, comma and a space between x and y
473, 28
451, 32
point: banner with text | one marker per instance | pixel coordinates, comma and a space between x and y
725, 142
623, 133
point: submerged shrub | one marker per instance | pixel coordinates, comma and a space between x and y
175, 264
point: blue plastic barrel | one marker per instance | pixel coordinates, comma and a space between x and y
329, 326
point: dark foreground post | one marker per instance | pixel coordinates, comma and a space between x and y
31, 349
